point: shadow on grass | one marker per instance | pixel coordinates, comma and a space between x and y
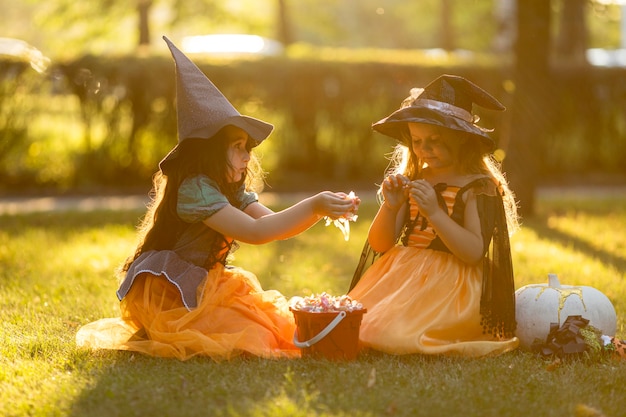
544, 231
136, 385
375, 384
513, 384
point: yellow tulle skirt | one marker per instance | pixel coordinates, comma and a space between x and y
424, 301
235, 316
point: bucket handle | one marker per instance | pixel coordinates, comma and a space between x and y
320, 335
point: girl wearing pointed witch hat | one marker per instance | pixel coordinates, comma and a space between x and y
179, 298
441, 281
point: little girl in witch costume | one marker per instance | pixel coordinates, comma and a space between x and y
447, 287
179, 298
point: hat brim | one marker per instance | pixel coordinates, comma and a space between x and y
258, 131
396, 124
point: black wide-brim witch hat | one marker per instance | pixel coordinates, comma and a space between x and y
202, 110
446, 102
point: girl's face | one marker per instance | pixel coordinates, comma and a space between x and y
434, 146
238, 152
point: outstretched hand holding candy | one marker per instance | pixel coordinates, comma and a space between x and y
343, 222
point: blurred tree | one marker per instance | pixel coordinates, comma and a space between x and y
199, 16
446, 28
65, 28
93, 27
22, 69
285, 34
397, 24
105, 26
530, 111
572, 39
504, 15
143, 9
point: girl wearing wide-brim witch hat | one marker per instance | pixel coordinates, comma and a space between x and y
179, 295
436, 273
447, 102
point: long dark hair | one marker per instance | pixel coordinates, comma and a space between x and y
161, 226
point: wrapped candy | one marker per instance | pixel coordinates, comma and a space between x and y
325, 303
343, 223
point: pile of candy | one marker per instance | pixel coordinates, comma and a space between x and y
325, 303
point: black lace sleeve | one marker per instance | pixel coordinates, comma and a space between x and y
497, 304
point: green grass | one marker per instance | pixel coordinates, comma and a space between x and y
57, 273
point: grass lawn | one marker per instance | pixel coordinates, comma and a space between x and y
57, 273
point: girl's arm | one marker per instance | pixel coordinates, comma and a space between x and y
387, 224
465, 242
270, 226
256, 210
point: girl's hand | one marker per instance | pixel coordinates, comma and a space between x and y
394, 190
425, 196
335, 205
356, 201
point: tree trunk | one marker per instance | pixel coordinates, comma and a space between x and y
447, 32
531, 101
571, 45
143, 9
285, 35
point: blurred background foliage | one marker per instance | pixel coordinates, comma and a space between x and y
101, 114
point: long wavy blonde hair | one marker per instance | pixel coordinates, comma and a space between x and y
474, 158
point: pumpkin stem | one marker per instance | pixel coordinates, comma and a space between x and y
553, 281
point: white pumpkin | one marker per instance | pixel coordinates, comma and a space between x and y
538, 305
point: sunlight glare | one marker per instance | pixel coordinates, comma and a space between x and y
229, 43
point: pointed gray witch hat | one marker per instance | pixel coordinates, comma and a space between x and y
202, 110
447, 101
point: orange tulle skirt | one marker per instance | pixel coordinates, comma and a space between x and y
424, 301
235, 316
